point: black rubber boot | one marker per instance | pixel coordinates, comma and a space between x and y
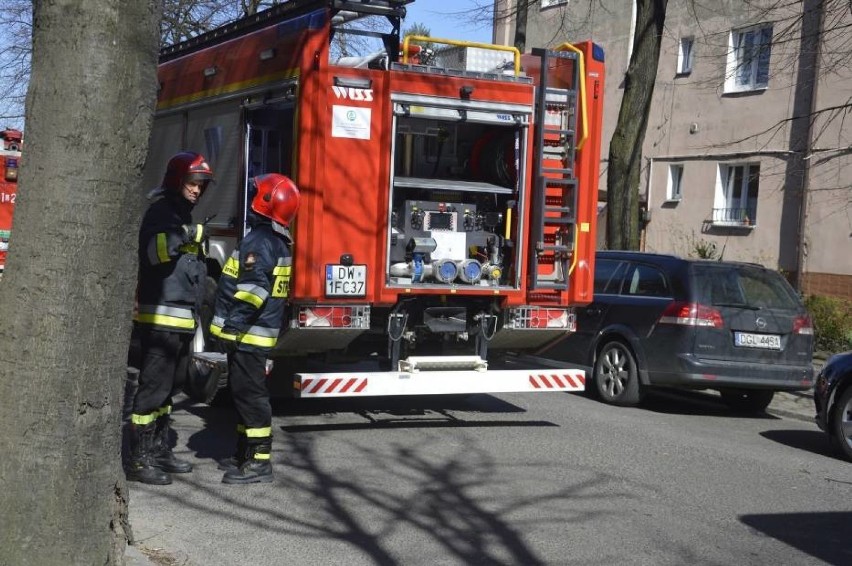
164, 458
141, 467
240, 454
257, 468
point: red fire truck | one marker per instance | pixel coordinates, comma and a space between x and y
448, 199
10, 160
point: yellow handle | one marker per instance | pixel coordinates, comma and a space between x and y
583, 109
574, 255
427, 39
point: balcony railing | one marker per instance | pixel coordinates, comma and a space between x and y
734, 216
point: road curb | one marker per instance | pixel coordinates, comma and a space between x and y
790, 414
798, 405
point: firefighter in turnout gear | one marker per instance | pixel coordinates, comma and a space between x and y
249, 312
172, 281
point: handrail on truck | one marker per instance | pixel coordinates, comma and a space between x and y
583, 109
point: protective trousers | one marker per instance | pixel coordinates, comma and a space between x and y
165, 359
247, 373
251, 462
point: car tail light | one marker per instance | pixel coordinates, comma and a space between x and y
691, 314
802, 325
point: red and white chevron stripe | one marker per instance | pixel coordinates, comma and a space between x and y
567, 381
338, 385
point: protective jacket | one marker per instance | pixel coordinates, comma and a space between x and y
172, 272
253, 290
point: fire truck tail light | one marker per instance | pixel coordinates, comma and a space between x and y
542, 318
11, 169
334, 316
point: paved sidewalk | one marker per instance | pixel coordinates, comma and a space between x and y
134, 557
797, 405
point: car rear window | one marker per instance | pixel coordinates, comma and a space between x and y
742, 286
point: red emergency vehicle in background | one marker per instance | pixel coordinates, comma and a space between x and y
10, 161
448, 202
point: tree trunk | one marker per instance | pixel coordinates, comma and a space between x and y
625, 149
67, 295
521, 25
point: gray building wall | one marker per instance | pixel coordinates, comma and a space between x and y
697, 123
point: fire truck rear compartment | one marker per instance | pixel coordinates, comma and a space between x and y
454, 199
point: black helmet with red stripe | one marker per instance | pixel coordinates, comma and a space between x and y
186, 166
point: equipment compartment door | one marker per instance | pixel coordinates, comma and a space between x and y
269, 138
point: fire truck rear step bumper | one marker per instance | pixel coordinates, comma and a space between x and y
369, 384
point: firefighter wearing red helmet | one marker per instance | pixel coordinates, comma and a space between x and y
249, 312
172, 281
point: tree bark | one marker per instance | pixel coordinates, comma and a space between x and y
625, 149
521, 25
67, 295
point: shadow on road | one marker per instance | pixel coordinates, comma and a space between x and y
410, 424
218, 436
704, 403
814, 441
450, 498
822, 535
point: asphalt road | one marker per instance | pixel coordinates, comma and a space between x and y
520, 479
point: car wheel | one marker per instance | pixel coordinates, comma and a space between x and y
616, 375
841, 424
747, 400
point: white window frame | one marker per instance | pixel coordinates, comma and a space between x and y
685, 51
732, 194
674, 186
545, 4
749, 54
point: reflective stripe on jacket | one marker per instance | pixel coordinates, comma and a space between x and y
252, 291
172, 273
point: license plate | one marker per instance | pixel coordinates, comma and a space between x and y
345, 280
766, 341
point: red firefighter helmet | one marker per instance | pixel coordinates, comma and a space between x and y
277, 198
186, 166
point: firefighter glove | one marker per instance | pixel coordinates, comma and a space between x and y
193, 233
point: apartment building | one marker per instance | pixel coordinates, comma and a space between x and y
748, 147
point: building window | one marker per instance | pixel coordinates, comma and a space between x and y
748, 59
684, 56
673, 187
736, 195
551, 3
